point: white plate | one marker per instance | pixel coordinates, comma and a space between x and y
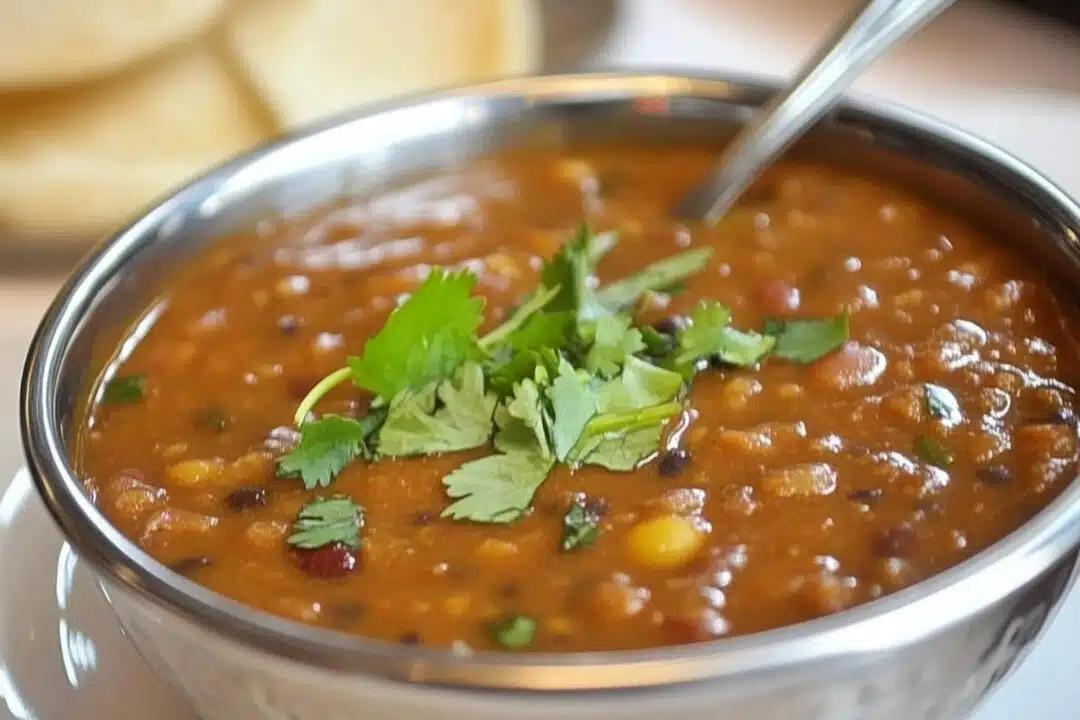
60, 647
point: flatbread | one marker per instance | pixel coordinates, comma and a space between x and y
310, 59
49, 42
82, 161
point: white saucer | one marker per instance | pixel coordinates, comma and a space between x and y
62, 653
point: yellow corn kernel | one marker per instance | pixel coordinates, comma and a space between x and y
494, 549
266, 534
189, 473
665, 542
561, 625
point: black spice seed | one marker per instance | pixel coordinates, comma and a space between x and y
425, 517
674, 461
597, 506
867, 496
288, 325
671, 325
409, 638
247, 498
897, 542
994, 475
189, 566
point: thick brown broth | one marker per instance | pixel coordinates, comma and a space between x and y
806, 481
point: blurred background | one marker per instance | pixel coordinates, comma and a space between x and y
106, 105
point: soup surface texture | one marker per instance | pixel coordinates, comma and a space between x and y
924, 412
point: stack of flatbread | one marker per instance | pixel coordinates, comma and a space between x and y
108, 104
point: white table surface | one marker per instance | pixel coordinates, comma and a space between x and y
1008, 76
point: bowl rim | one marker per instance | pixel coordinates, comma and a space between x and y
897, 620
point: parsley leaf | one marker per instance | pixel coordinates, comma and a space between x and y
326, 446
328, 521
124, 390
804, 341
573, 404
665, 273
710, 336
941, 403
931, 451
497, 488
425, 340
414, 427
613, 341
581, 525
571, 271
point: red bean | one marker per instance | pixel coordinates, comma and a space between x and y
330, 562
779, 298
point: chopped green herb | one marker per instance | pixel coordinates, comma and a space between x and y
710, 336
328, 521
326, 446
658, 346
662, 274
581, 526
520, 318
523, 422
571, 271
930, 450
613, 341
425, 340
515, 633
641, 385
496, 488
600, 244
804, 341
573, 405
941, 403
627, 450
124, 390
462, 421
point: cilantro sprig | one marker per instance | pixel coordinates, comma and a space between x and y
569, 378
328, 521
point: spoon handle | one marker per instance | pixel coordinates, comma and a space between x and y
873, 30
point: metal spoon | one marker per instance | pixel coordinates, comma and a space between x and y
874, 29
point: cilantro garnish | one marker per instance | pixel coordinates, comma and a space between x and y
710, 335
496, 488
425, 340
581, 525
515, 632
570, 377
328, 521
124, 390
326, 447
804, 341
931, 451
660, 276
413, 426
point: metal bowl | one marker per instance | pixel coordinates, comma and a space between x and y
930, 651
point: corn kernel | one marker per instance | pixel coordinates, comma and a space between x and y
665, 542
190, 473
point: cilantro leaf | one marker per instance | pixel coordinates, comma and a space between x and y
804, 341
581, 525
326, 446
709, 335
497, 488
327, 521
515, 633
523, 422
531, 346
625, 451
600, 244
941, 403
521, 317
124, 390
663, 274
613, 341
640, 385
425, 340
414, 427
571, 270
931, 451
573, 405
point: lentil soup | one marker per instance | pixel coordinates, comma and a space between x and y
897, 396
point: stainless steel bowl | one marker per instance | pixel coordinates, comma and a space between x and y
931, 651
